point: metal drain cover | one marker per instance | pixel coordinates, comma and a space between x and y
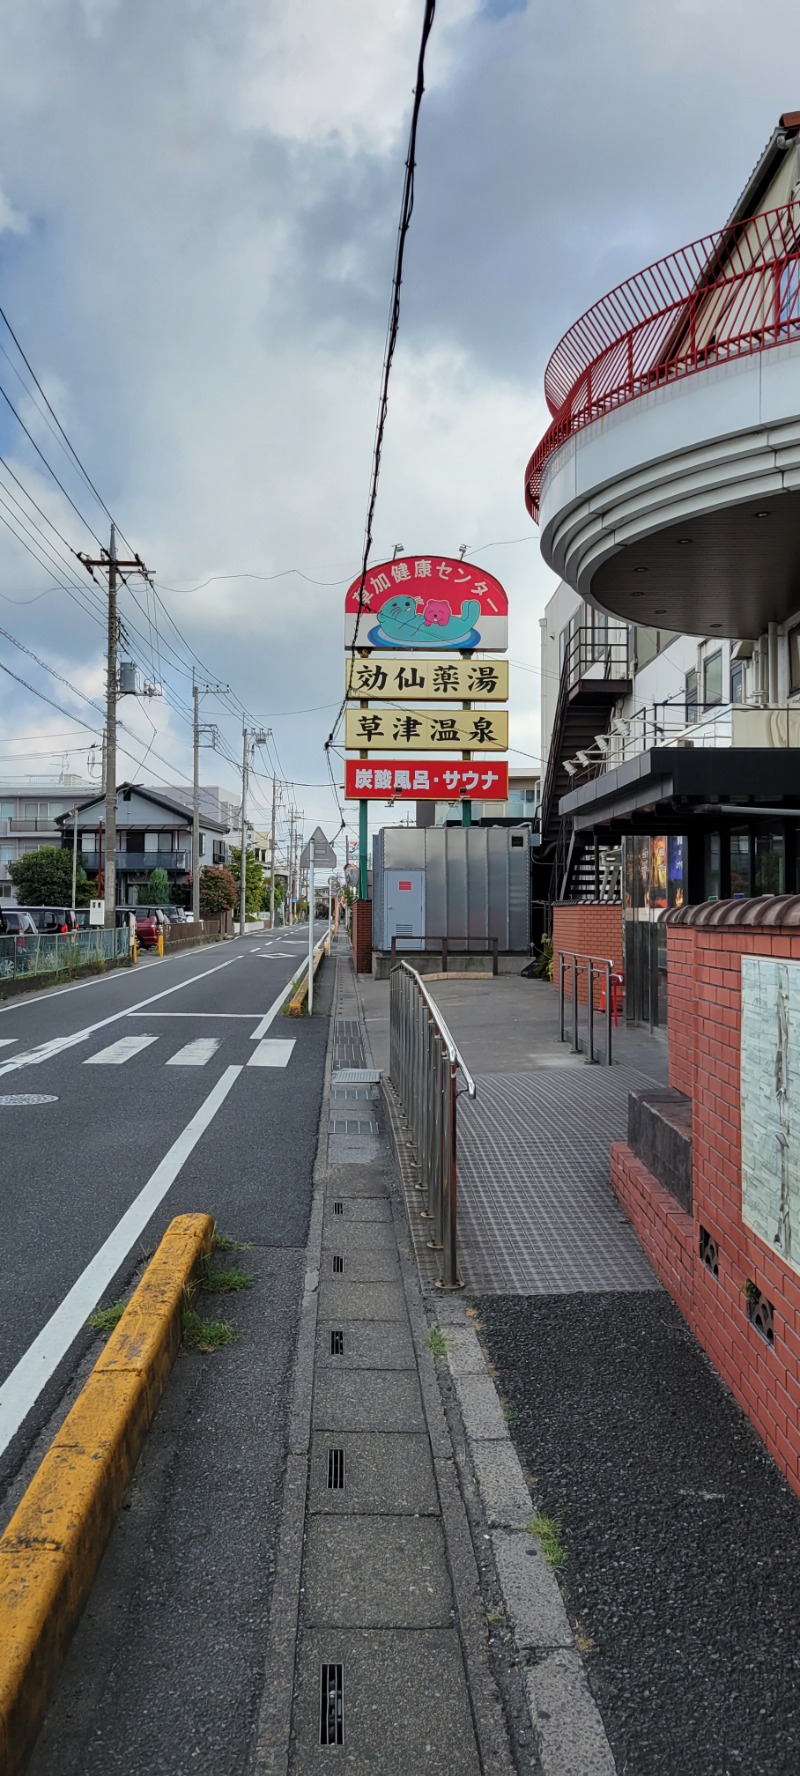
28, 1098
356, 1076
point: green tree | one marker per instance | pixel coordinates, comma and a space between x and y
158, 884
265, 894
44, 877
217, 892
254, 882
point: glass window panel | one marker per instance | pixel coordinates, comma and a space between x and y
794, 659
691, 696
737, 682
151, 841
769, 863
740, 863
7, 810
712, 884
712, 678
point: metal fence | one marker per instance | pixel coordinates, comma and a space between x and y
598, 971
54, 954
424, 1065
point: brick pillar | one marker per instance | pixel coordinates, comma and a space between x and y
591, 930
362, 936
682, 989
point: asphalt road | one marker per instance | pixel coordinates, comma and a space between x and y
139, 1124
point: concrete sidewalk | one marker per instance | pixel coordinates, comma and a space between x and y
678, 1539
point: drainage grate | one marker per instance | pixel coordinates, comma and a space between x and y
337, 1344
351, 1125
338, 1208
338, 1262
356, 1076
709, 1251
760, 1311
331, 1705
336, 1470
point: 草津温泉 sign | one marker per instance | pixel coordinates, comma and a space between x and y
435, 681
431, 780
459, 730
426, 601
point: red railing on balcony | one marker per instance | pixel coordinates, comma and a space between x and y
727, 295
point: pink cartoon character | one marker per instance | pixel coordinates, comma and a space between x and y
437, 610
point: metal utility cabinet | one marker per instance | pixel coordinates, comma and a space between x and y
465, 883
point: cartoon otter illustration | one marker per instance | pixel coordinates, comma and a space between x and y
402, 624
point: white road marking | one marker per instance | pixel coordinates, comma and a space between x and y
119, 1052
247, 1015
6, 1041
195, 1054
33, 1056
272, 1054
23, 1386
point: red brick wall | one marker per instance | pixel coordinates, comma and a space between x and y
705, 983
362, 936
591, 929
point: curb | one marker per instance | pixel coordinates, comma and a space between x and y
296, 1005
52, 1547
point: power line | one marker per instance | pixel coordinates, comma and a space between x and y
48, 466
406, 211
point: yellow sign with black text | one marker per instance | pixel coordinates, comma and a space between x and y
432, 681
426, 730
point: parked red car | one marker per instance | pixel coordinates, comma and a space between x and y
147, 930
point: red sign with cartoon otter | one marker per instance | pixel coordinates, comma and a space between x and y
426, 601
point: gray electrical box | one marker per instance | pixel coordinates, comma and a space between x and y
468, 883
128, 678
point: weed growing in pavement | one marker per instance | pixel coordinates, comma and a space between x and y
104, 1319
437, 1344
224, 1242
510, 1413
205, 1335
547, 1531
224, 1282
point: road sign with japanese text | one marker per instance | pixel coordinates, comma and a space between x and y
432, 681
435, 780
427, 730
426, 601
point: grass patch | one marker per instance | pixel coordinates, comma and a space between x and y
547, 1531
225, 1282
510, 1413
205, 1335
437, 1344
104, 1319
224, 1242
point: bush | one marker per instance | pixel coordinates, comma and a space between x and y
44, 877
217, 892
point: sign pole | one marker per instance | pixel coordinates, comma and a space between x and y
363, 847
310, 926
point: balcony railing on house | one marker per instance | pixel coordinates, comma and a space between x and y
682, 723
16, 824
727, 295
138, 860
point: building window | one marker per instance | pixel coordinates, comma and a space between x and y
770, 867
202, 844
690, 691
794, 659
6, 855
7, 810
712, 678
740, 863
151, 841
737, 681
712, 866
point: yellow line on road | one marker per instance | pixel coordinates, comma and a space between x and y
53, 1544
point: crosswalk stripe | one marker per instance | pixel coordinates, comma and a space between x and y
273, 1053
119, 1052
195, 1054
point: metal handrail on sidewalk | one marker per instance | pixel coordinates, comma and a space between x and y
594, 967
424, 1065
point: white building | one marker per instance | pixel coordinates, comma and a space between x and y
668, 492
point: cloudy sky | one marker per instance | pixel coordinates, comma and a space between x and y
198, 205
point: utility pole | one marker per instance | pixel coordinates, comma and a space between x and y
243, 859
290, 867
74, 854
249, 743
272, 855
111, 565
199, 691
